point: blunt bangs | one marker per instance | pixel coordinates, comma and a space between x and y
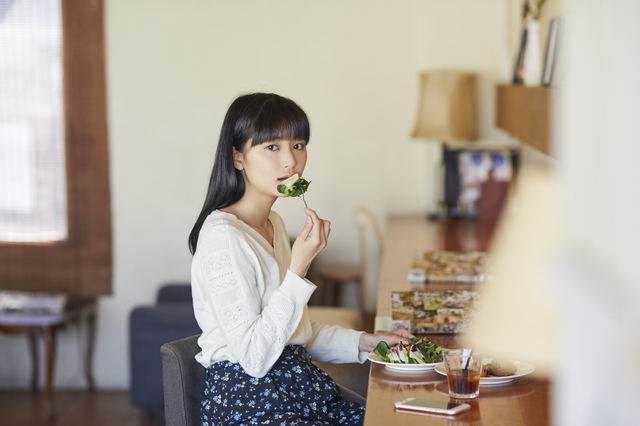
279, 118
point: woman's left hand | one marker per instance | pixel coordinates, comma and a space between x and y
368, 342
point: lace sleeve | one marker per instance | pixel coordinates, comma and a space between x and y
235, 281
335, 344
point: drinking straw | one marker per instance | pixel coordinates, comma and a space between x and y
467, 353
465, 369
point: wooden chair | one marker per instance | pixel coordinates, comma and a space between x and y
371, 246
331, 280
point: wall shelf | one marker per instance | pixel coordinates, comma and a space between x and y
525, 113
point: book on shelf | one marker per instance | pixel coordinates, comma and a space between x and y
448, 266
433, 312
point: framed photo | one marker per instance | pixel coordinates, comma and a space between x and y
465, 172
551, 52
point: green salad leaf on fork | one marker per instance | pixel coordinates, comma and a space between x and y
294, 186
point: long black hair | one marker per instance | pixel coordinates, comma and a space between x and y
255, 117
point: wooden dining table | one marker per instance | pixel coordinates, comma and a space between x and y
525, 401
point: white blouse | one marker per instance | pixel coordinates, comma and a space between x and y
250, 306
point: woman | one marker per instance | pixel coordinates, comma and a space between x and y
249, 290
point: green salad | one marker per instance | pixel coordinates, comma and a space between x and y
293, 186
415, 351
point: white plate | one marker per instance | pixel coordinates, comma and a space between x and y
522, 369
401, 367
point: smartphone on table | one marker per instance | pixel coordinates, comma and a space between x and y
429, 406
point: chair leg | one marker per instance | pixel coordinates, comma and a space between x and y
328, 293
360, 290
336, 292
325, 292
49, 333
88, 361
33, 345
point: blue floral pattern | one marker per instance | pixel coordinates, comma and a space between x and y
294, 392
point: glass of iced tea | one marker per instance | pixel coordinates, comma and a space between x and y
464, 367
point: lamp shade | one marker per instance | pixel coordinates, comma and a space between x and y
448, 108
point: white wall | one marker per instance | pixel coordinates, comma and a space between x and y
596, 274
173, 68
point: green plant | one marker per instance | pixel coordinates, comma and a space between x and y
536, 11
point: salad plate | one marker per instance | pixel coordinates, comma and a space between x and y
401, 367
522, 369
411, 355
408, 379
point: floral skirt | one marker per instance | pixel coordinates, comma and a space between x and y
294, 392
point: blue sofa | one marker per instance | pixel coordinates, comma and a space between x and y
150, 327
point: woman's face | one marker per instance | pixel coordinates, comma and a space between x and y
265, 166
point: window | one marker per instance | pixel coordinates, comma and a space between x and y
55, 221
32, 168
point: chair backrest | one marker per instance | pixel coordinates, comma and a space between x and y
175, 292
371, 246
183, 382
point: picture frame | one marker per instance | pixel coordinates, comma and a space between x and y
551, 52
465, 169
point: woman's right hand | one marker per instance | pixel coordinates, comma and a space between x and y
309, 243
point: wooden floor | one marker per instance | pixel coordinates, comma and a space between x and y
74, 408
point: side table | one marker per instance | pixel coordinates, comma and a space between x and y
46, 325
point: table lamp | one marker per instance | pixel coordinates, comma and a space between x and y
447, 112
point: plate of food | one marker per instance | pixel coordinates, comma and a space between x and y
409, 356
497, 371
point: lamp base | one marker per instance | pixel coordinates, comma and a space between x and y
439, 215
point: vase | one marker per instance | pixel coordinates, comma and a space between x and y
532, 60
